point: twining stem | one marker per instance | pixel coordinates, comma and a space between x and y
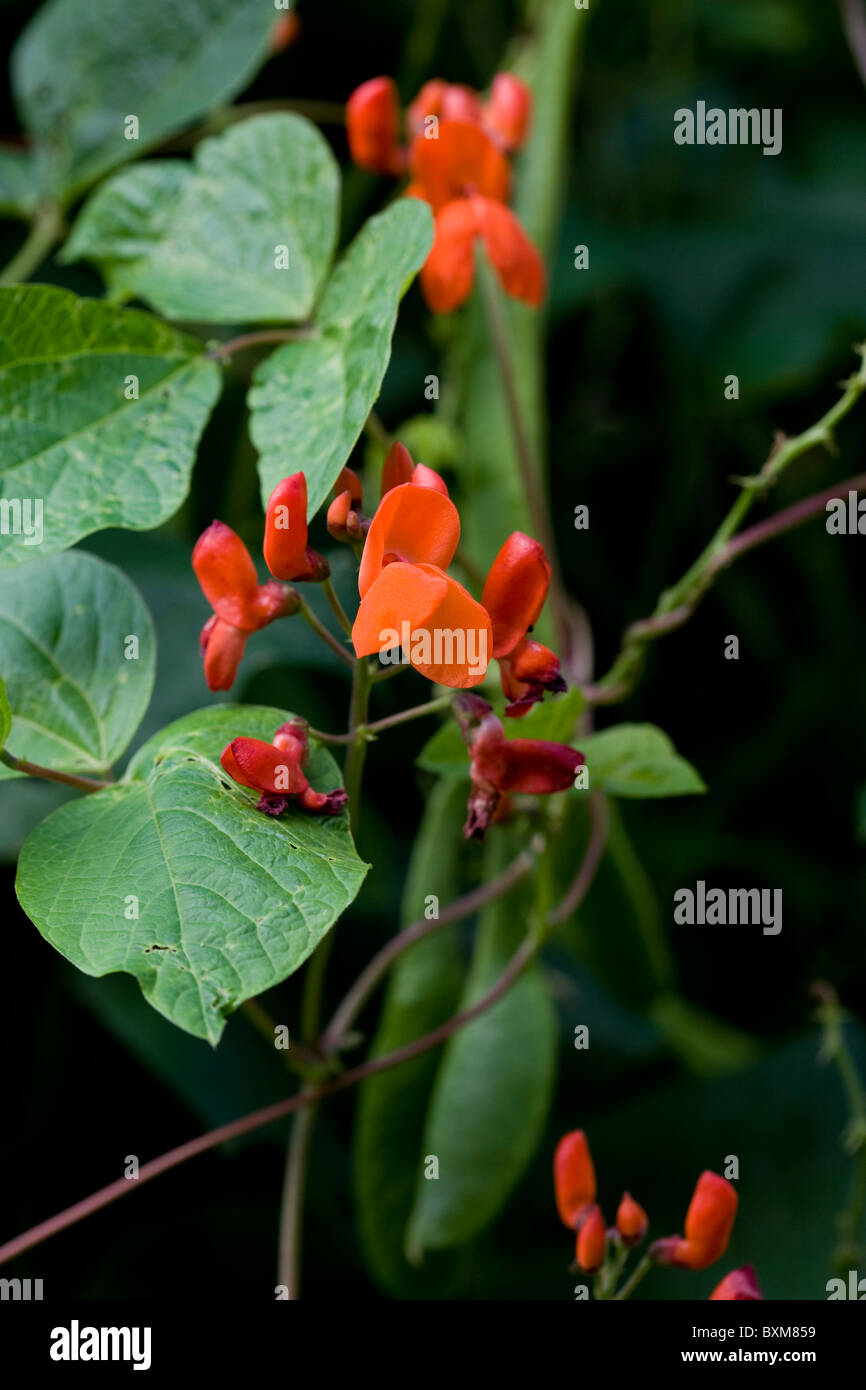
260, 336
677, 604
639, 1272
390, 720
292, 1204
590, 862
297, 1058
45, 231
831, 1015
327, 637
48, 774
358, 747
336, 606
525, 953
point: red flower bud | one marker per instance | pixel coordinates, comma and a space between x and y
398, 467
709, 1222
591, 1241
338, 516
508, 113
286, 528
739, 1286
573, 1177
373, 127
428, 477
631, 1220
348, 479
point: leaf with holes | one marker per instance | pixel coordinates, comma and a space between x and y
77, 652
246, 233
174, 877
310, 399
101, 409
82, 68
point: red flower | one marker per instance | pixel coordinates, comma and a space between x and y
398, 468
287, 554
225, 570
508, 114
709, 1222
497, 764
446, 101
276, 770
631, 1220
514, 595
373, 127
739, 1286
591, 1240
573, 1177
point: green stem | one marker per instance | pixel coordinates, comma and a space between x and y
48, 774
297, 1058
640, 1272
45, 231
336, 606
259, 337
404, 716
327, 637
849, 1251
358, 748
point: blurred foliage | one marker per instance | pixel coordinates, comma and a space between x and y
703, 262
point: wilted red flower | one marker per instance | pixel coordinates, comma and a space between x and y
591, 1241
709, 1222
532, 766
276, 770
631, 1220
373, 127
514, 595
573, 1177
225, 570
287, 554
739, 1286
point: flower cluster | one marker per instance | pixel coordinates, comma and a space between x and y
456, 161
708, 1224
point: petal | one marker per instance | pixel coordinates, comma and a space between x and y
512, 254
452, 646
449, 270
397, 468
515, 590
401, 594
413, 524
574, 1180
428, 102
428, 477
373, 126
738, 1286
537, 767
223, 649
348, 479
591, 1240
460, 104
286, 527
508, 113
264, 767
461, 160
225, 570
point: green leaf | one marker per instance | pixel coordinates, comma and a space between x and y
638, 760
493, 1089
199, 242
82, 67
229, 900
5, 714
423, 991
553, 720
76, 697
310, 399
75, 450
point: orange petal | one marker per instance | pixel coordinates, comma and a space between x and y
573, 1177
449, 270
460, 161
460, 104
512, 254
397, 468
223, 649
414, 524
401, 594
225, 570
508, 113
428, 477
452, 646
373, 126
515, 590
428, 102
286, 527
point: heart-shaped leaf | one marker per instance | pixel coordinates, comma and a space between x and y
83, 68
101, 409
639, 760
310, 399
174, 877
77, 652
245, 233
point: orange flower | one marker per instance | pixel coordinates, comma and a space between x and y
631, 1220
444, 634
412, 524
591, 1240
373, 127
287, 555
276, 770
739, 1286
514, 595
573, 1177
709, 1222
225, 570
508, 114
444, 100
462, 160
